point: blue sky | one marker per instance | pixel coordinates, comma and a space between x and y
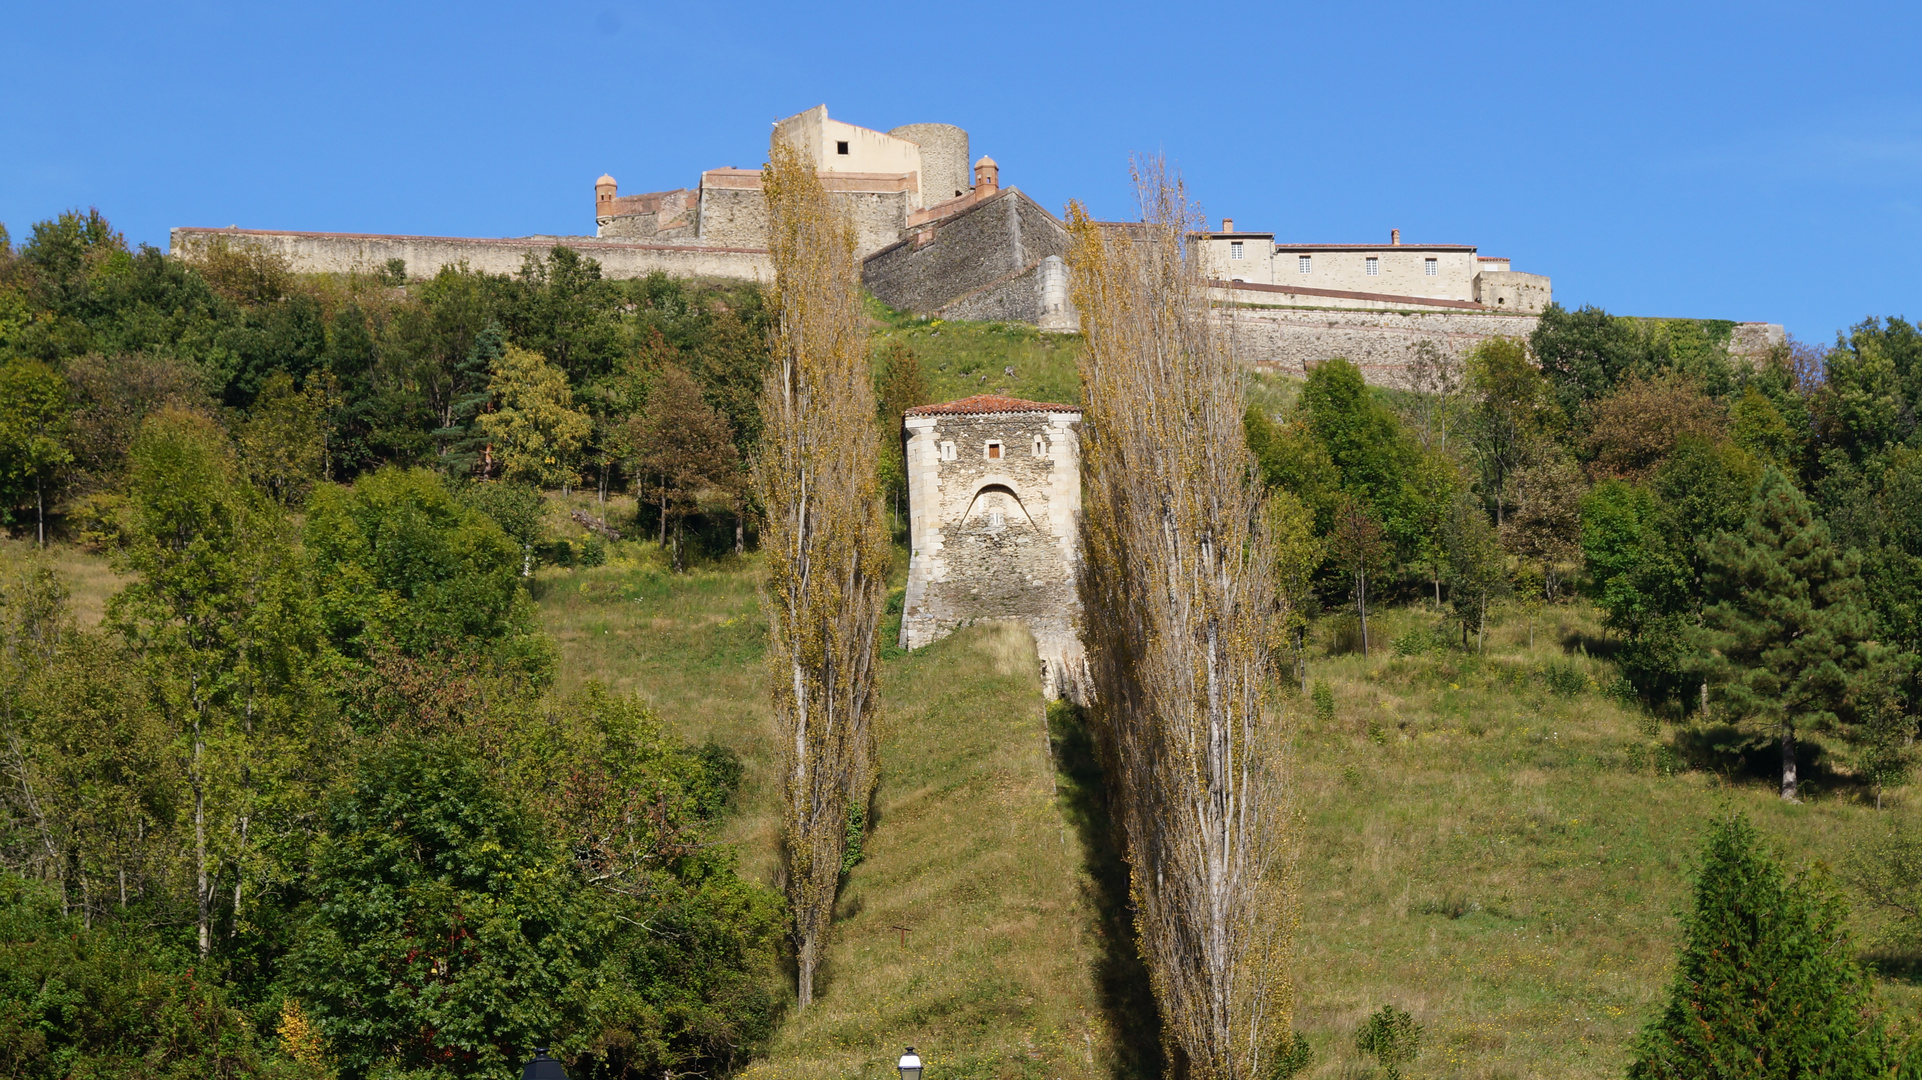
1746, 161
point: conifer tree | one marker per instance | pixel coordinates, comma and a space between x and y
825, 542
1766, 984
1789, 629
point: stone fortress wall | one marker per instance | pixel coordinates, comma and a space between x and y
340, 253
994, 493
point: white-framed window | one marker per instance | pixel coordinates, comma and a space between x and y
1374, 266
1429, 268
1306, 264
994, 451
947, 451
1234, 249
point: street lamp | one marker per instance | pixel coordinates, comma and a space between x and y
910, 1065
543, 1067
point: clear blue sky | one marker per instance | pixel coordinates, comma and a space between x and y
1746, 161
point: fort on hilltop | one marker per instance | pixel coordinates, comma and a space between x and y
939, 236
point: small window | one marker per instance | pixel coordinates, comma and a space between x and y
1040, 446
1374, 266
994, 451
1234, 249
841, 147
947, 451
1306, 265
1428, 267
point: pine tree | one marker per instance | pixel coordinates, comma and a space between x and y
461, 440
1789, 627
1765, 985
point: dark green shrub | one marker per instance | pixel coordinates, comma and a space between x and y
1292, 1057
1324, 702
1564, 678
1391, 1037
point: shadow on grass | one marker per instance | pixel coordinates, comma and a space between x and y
1904, 966
1120, 976
1751, 756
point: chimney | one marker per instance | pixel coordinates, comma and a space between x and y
1227, 224
1394, 238
987, 178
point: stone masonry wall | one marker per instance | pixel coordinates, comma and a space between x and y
979, 247
1380, 343
993, 538
340, 253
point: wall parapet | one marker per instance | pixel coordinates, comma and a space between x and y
339, 253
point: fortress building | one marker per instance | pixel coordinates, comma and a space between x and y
1391, 276
994, 491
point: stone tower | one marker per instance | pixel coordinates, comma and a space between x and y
994, 493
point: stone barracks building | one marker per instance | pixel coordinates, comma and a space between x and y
994, 491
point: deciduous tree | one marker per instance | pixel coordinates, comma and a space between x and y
1178, 590
537, 429
825, 541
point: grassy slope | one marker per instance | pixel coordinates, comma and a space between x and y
968, 851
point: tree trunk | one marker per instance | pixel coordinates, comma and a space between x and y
1788, 762
1361, 607
680, 565
1705, 697
663, 509
40, 497
740, 534
203, 888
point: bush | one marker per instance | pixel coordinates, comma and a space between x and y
1392, 1037
1416, 641
1291, 1057
1324, 702
1564, 678
593, 550
1344, 635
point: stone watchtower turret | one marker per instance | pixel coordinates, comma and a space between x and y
994, 492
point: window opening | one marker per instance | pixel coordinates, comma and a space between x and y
1040, 446
1428, 267
994, 450
840, 147
1234, 249
1306, 265
1374, 266
947, 451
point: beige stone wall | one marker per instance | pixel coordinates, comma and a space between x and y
1402, 270
424, 255
868, 151
1513, 291
1380, 343
1257, 263
733, 210
945, 168
993, 538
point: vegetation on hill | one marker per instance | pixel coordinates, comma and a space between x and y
357, 720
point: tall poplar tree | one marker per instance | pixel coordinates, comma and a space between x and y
1178, 589
1789, 627
824, 539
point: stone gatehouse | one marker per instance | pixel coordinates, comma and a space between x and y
994, 493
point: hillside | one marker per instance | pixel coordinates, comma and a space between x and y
1502, 859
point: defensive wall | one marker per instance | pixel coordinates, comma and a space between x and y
339, 253
953, 260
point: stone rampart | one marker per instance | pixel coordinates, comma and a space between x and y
1380, 343
340, 253
978, 248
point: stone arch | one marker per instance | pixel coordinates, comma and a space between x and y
993, 485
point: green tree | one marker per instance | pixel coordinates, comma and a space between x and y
1477, 567
1392, 1038
283, 441
899, 386
1789, 626
33, 414
1583, 353
685, 448
1513, 411
399, 562
220, 618
1376, 460
1359, 548
1299, 555
1766, 983
539, 432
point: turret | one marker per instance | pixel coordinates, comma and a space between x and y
987, 178
604, 190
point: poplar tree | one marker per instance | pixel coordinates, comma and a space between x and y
1179, 594
825, 542
1766, 984
1789, 627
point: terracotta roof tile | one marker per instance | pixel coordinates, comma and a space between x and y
988, 403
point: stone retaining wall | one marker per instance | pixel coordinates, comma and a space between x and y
339, 253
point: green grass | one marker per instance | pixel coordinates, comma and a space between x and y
1504, 856
961, 359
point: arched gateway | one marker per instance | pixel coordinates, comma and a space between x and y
994, 490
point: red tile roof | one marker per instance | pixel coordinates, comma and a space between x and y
988, 403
